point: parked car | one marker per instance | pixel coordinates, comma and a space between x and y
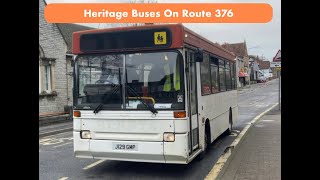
262, 78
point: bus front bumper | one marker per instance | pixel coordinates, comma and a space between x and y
141, 151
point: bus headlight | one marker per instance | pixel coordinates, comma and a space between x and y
168, 137
85, 135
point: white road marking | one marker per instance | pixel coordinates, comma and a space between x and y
267, 120
53, 141
62, 144
261, 105
56, 134
233, 134
214, 172
63, 178
44, 140
93, 164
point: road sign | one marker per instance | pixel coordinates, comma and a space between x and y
278, 68
275, 64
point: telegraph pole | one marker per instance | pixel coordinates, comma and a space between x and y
279, 75
277, 67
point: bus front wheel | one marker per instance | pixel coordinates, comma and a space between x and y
229, 130
206, 140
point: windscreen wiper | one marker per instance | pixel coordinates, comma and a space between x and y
100, 106
150, 108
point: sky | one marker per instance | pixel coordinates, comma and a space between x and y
263, 39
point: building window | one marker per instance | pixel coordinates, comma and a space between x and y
47, 78
46, 75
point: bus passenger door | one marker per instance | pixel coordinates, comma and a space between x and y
192, 101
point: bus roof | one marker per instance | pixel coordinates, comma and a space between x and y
135, 38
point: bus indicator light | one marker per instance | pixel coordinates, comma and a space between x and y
76, 114
179, 114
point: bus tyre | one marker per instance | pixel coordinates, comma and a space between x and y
203, 153
229, 130
207, 140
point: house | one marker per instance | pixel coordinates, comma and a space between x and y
277, 58
55, 71
254, 68
264, 69
260, 68
241, 52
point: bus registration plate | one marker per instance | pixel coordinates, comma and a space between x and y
125, 146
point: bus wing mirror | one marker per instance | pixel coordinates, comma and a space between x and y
198, 56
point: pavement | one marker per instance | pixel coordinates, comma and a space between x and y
56, 119
258, 156
55, 129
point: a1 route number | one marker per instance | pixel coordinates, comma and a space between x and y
224, 13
